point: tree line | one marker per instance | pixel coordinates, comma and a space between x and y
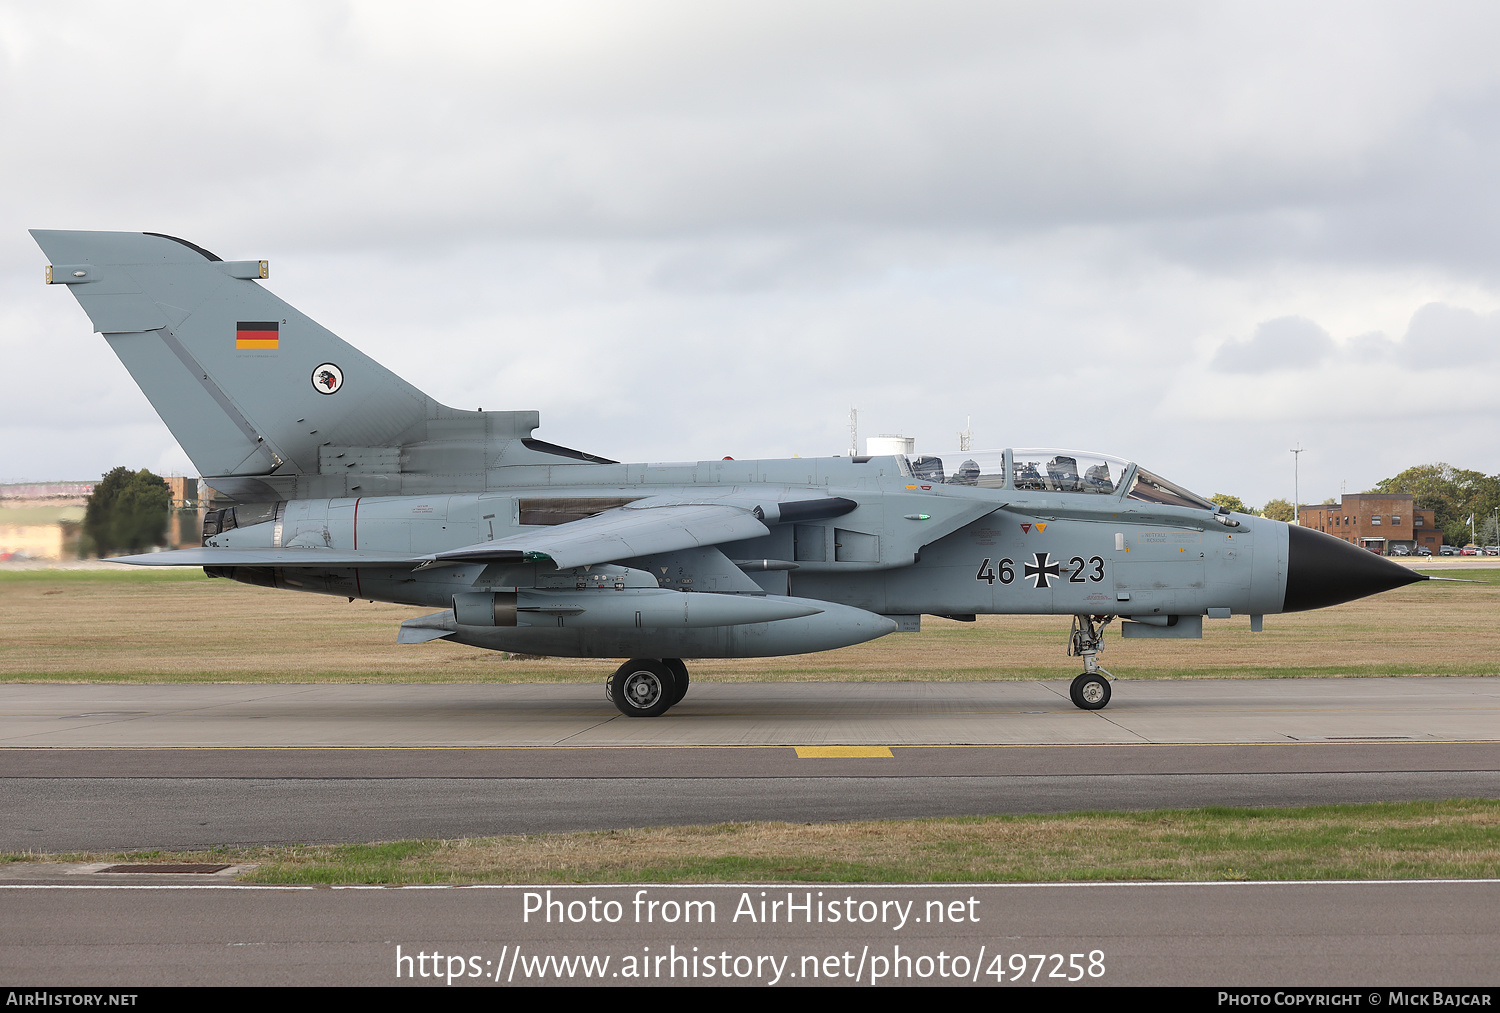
1452, 494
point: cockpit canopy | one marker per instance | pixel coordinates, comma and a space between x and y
1060, 471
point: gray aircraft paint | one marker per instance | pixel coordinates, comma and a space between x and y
352, 482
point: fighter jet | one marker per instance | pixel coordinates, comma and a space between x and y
343, 479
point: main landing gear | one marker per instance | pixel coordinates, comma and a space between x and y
646, 687
1091, 689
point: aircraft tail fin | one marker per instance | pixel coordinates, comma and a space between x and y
247, 384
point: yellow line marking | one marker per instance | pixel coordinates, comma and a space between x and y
841, 752
811, 750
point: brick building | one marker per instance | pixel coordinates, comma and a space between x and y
1376, 521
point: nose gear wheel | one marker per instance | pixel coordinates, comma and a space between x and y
1090, 691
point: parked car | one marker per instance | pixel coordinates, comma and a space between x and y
1400, 550
1469, 550
1423, 550
1447, 550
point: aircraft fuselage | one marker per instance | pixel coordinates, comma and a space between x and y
907, 548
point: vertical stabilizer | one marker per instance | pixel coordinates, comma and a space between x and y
246, 383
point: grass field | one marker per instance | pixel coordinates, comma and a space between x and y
1423, 840
179, 626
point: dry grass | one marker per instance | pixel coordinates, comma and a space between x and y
1458, 839
182, 627
1192, 845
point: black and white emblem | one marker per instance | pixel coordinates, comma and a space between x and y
1039, 570
327, 378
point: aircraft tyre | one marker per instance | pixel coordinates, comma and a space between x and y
642, 688
679, 673
1091, 692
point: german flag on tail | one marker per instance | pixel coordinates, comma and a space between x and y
257, 335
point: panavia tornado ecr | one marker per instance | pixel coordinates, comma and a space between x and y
347, 480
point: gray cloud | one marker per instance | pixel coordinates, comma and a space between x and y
1286, 343
1438, 336
1213, 131
1450, 337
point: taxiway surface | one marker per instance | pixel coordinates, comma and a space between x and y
108, 767
1214, 934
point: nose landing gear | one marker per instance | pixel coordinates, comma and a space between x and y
1090, 691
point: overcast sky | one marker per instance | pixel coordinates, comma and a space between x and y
1189, 234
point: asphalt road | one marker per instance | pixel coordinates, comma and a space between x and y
751, 714
95, 768
1261, 936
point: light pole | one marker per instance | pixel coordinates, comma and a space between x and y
1297, 483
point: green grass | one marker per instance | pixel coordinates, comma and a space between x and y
1416, 840
123, 575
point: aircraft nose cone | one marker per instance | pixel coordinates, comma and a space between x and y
1322, 570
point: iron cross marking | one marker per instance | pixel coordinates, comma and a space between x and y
1041, 570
